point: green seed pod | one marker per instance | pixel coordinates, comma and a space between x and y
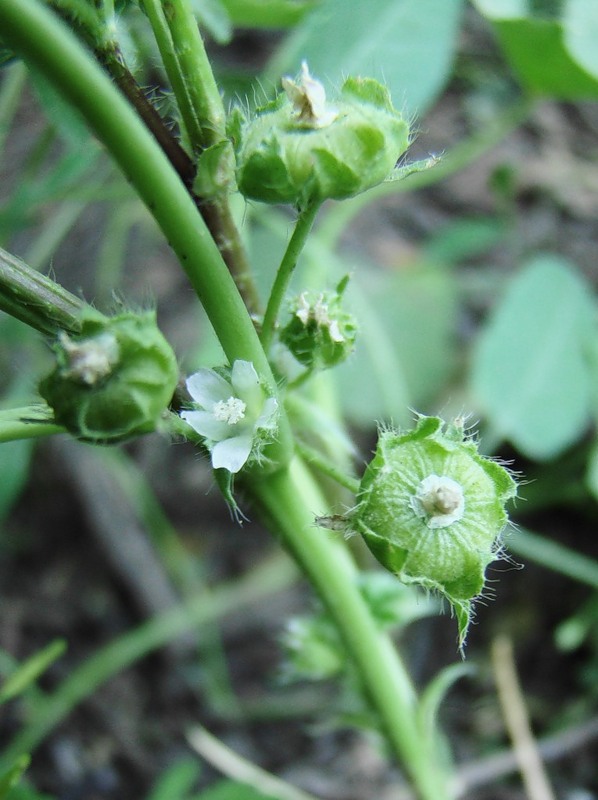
320, 333
113, 380
299, 149
431, 509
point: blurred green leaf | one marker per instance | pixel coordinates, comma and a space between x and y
406, 348
580, 24
232, 790
30, 670
542, 52
15, 458
436, 691
407, 44
530, 371
465, 238
213, 16
11, 777
177, 781
267, 13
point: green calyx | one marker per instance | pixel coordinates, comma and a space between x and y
431, 508
113, 380
300, 149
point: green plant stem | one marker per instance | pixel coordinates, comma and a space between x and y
321, 463
289, 500
554, 556
189, 120
466, 152
196, 72
29, 422
287, 266
35, 299
43, 40
12, 88
197, 96
234, 766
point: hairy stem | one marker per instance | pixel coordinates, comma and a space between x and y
196, 72
36, 299
196, 93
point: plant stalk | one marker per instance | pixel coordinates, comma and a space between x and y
196, 72
285, 271
289, 500
36, 299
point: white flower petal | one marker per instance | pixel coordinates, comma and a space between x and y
267, 419
206, 424
246, 384
206, 387
232, 454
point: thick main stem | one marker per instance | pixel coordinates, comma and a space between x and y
289, 501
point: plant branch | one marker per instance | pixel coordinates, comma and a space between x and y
285, 271
175, 32
289, 500
326, 467
30, 422
196, 73
36, 299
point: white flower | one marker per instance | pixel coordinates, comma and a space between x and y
233, 415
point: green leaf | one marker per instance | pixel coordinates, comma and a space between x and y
12, 776
407, 44
580, 24
436, 691
30, 670
530, 372
267, 13
542, 52
213, 16
177, 781
405, 350
15, 458
232, 790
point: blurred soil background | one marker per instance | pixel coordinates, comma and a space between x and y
82, 551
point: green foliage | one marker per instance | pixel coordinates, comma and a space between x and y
554, 57
233, 790
177, 782
533, 349
30, 670
405, 351
11, 777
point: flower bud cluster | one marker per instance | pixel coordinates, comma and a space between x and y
320, 333
114, 379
